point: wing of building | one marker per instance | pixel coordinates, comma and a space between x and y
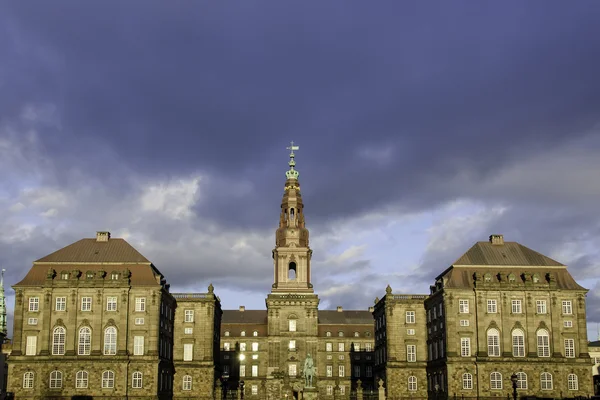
96, 318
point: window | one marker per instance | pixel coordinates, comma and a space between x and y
254, 346
492, 306
110, 341
412, 383
28, 380
518, 343
357, 371
254, 390
495, 380
540, 306
255, 333
55, 380
369, 371
187, 383
493, 337
138, 345
292, 345
570, 348
368, 347
189, 315
356, 346
411, 353
410, 317
341, 334
517, 307
328, 334
242, 370
340, 346
342, 389
328, 346
140, 321
108, 380
329, 371
341, 371
58, 341
255, 370
31, 348
521, 380
341, 357
536, 278
543, 343
188, 351
546, 381
136, 380
111, 303
567, 307
227, 346
568, 324
81, 380
292, 369
329, 390
464, 322
60, 304
356, 334
243, 333
86, 304
226, 333
573, 382
32, 321
465, 347
292, 325
242, 346
463, 306
34, 304
85, 341
188, 331
467, 381
140, 306
64, 276
410, 332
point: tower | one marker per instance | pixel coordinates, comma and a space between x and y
2, 306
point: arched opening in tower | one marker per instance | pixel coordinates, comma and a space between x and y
292, 271
292, 214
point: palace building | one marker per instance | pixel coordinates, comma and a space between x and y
96, 318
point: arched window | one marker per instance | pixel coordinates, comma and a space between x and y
521, 380
85, 341
226, 333
493, 336
255, 333
543, 343
55, 380
518, 343
58, 341
327, 333
536, 278
292, 214
110, 341
511, 278
292, 271
412, 383
108, 380
136, 380
243, 333
467, 380
28, 380
487, 277
495, 380
187, 382
340, 333
81, 380
573, 382
546, 381
356, 334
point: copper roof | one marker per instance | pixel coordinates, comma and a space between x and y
509, 253
94, 252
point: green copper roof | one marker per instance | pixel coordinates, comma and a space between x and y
292, 173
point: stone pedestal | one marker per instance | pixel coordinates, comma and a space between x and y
310, 393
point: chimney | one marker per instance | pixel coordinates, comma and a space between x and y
340, 309
371, 309
497, 239
102, 236
242, 308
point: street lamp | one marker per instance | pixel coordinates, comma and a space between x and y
242, 389
514, 379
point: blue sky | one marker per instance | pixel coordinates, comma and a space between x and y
423, 128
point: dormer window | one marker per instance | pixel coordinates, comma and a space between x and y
487, 277
355, 334
114, 276
89, 275
512, 278
328, 334
340, 334
243, 333
64, 275
536, 278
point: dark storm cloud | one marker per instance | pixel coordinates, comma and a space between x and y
172, 89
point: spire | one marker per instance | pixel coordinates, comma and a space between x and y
292, 173
2, 305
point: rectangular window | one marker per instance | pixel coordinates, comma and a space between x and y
329, 371
255, 370
341, 346
463, 306
188, 331
356, 346
518, 344
242, 346
441, 308
189, 315
328, 347
369, 371
227, 346
292, 370
111, 304
411, 353
341, 357
357, 371
292, 345
410, 317
242, 370
567, 307
254, 346
86, 304
329, 390
540, 306
410, 332
341, 371
568, 324
368, 347
138, 345
464, 322
32, 321
570, 348
61, 304
465, 347
543, 342
188, 351
254, 390
517, 307
492, 306
31, 349
292, 325
34, 304
139, 321
140, 304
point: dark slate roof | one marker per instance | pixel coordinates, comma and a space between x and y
509, 253
595, 343
91, 251
350, 317
244, 317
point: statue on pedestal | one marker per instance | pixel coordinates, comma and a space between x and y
308, 371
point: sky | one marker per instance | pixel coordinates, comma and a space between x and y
423, 128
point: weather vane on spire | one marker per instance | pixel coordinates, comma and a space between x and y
292, 173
